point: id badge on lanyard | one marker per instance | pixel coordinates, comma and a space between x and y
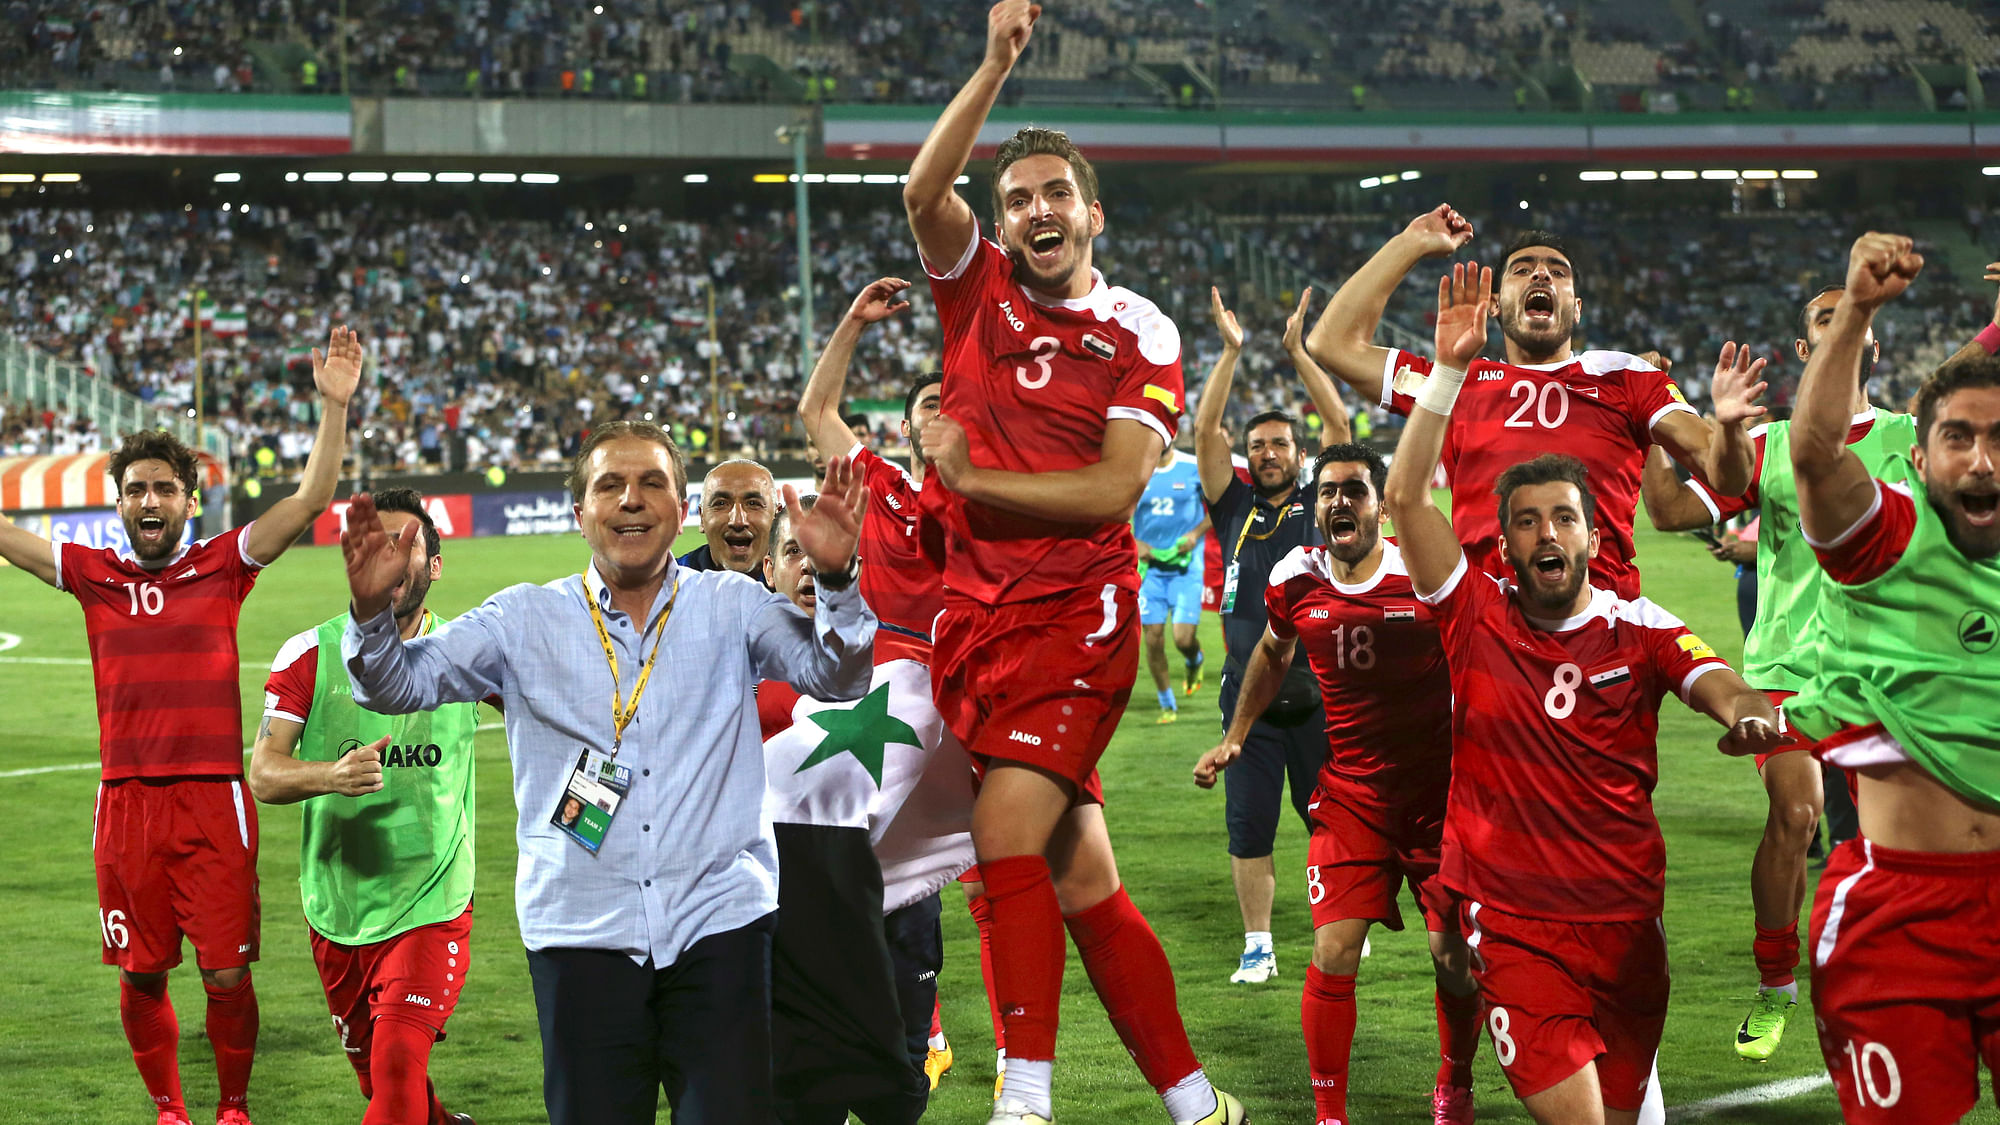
1232, 576
598, 784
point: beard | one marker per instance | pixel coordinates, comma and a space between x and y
1974, 542
917, 446
170, 538
1558, 598
416, 588
1365, 538
1538, 339
1058, 274
1289, 477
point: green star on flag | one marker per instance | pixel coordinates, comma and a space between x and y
864, 730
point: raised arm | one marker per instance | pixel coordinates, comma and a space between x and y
336, 373
27, 550
1430, 547
1988, 340
944, 223
1262, 677
1343, 342
1211, 441
1104, 492
1334, 429
819, 406
1835, 487
1721, 451
830, 655
1671, 503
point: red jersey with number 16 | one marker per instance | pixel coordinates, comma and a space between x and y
899, 581
1035, 384
1555, 750
163, 651
1599, 407
1381, 667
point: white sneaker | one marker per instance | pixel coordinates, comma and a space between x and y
1255, 966
1009, 1111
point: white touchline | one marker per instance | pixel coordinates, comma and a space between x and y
66, 766
1777, 1091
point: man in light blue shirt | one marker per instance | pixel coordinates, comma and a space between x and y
648, 873
1169, 523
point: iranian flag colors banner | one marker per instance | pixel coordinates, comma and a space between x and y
175, 124
218, 321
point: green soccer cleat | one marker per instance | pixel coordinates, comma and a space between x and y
1191, 683
1228, 1111
1764, 1028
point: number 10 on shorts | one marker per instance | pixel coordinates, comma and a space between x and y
1877, 1081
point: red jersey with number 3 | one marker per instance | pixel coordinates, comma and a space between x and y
1599, 407
163, 652
1375, 650
899, 581
1035, 384
1555, 750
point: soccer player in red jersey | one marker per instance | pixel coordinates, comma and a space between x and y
1061, 392
1378, 811
1550, 842
1903, 927
176, 832
1606, 408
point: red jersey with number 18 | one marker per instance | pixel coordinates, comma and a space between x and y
1375, 651
1599, 407
1035, 384
1555, 750
899, 581
163, 652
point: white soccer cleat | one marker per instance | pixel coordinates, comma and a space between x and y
1009, 1111
1255, 966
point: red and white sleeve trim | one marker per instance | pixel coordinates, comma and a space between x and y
1853, 529
1134, 414
964, 260
1442, 592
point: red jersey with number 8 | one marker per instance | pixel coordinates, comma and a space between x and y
1035, 384
1555, 750
1599, 407
163, 652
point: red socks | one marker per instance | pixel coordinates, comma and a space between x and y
155, 1036
1027, 953
982, 917
1777, 954
1129, 970
399, 1058
1458, 1038
1326, 1012
232, 1031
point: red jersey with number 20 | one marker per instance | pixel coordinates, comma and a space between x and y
1555, 750
1381, 667
899, 581
163, 652
1600, 407
1035, 384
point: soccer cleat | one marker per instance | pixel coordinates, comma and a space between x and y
1170, 715
1255, 966
1228, 1111
1451, 1105
459, 1119
936, 1062
169, 1117
1012, 1112
1764, 1028
234, 1115
1192, 682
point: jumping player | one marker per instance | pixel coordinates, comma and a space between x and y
386, 864
1063, 392
1904, 991
176, 836
1378, 811
1606, 408
1550, 842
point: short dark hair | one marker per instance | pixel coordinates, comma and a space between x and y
1528, 238
917, 385
1033, 141
857, 418
579, 469
1806, 313
156, 445
782, 520
1979, 371
1357, 453
411, 502
1549, 468
1256, 420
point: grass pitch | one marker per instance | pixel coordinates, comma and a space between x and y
64, 1058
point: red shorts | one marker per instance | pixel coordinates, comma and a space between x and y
1040, 682
1795, 740
1558, 995
1211, 593
1904, 984
173, 858
1355, 867
415, 976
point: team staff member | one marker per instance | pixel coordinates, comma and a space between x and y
1258, 524
648, 921
385, 867
738, 500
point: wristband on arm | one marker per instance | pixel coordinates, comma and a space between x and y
1440, 390
1989, 338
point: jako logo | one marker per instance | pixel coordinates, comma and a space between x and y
1319, 615
426, 754
413, 998
1024, 736
1007, 307
1489, 377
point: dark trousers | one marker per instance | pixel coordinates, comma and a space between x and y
1254, 787
615, 1033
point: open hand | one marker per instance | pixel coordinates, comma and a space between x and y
375, 562
1295, 324
829, 531
1465, 300
337, 371
1225, 321
1737, 387
878, 301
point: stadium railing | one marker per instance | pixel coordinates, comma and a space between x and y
35, 378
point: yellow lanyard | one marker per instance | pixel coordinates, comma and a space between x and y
1283, 511
622, 712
